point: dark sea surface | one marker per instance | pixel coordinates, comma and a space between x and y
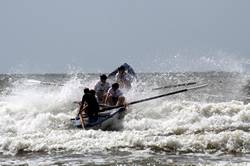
208, 126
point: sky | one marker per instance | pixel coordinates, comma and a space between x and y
56, 36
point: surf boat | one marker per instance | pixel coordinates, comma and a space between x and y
111, 118
107, 120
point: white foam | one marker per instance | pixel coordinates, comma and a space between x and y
36, 118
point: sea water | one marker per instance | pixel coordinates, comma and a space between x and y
208, 126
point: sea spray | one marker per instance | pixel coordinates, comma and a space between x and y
36, 118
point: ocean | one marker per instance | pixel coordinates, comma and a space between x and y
207, 126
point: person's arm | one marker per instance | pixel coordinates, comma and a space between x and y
82, 103
96, 86
107, 96
112, 74
82, 108
106, 87
117, 77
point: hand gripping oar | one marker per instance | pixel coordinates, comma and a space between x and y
177, 85
155, 97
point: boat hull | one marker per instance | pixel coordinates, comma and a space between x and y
108, 120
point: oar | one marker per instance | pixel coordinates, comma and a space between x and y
81, 116
155, 97
51, 83
176, 85
44, 83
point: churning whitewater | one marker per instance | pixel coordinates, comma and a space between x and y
35, 117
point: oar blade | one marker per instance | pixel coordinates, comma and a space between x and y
175, 85
198, 87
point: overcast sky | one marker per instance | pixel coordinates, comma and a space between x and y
98, 35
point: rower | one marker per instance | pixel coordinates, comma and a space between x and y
128, 68
115, 96
123, 78
89, 105
102, 88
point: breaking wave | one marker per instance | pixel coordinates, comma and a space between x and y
35, 118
